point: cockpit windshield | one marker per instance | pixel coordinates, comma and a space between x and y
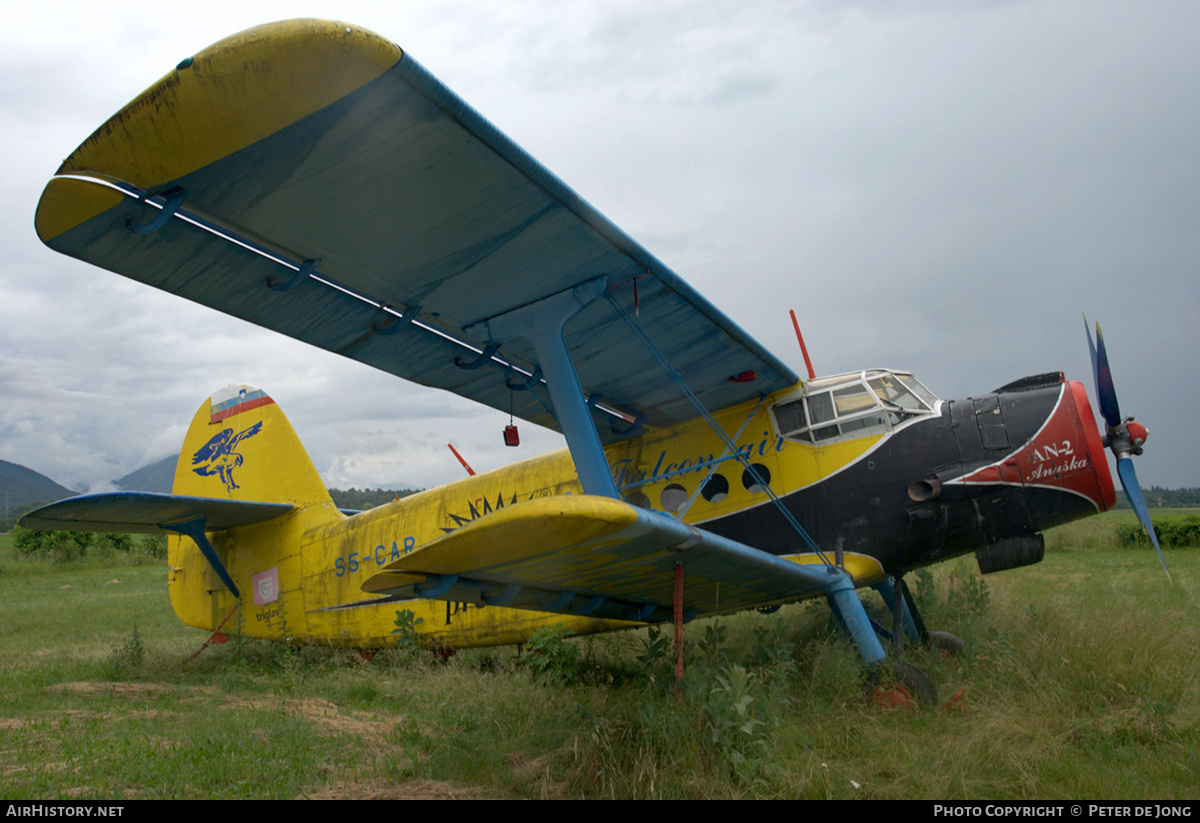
852, 405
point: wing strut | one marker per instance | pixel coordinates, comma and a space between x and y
677, 378
541, 325
194, 529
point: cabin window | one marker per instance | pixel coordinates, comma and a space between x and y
871, 421
638, 499
751, 482
673, 497
716, 489
852, 400
922, 393
790, 417
895, 394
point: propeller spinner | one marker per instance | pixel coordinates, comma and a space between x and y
1124, 437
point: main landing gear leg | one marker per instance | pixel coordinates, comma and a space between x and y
903, 610
883, 673
900, 682
848, 609
914, 626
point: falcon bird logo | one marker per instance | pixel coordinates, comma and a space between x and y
217, 456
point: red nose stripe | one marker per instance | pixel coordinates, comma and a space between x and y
1083, 409
1066, 453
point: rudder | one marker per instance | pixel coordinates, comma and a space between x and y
240, 446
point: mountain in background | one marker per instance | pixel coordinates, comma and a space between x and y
157, 477
21, 487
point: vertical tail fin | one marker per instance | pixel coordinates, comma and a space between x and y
240, 446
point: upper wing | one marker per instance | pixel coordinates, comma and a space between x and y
324, 185
588, 555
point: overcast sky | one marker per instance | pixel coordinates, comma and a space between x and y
934, 186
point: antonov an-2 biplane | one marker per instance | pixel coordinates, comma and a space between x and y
310, 177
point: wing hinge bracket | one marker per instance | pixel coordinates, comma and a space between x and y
633, 429
174, 201
396, 323
482, 359
306, 268
528, 383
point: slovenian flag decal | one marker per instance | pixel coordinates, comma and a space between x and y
236, 399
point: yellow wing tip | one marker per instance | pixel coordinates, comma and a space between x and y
67, 202
231, 94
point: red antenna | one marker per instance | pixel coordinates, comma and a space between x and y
470, 470
803, 348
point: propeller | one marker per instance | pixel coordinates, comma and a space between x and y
1124, 437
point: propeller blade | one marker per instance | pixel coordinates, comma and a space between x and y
1092, 349
1133, 491
1105, 392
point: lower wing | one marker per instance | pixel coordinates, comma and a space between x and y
594, 556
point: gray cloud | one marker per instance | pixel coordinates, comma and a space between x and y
937, 186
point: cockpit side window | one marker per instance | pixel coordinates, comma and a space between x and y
790, 417
895, 394
854, 405
820, 408
852, 399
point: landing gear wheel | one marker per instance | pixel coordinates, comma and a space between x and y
902, 685
946, 643
918, 682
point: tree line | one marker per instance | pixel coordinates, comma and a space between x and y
1158, 497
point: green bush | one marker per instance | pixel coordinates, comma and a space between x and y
406, 634
59, 545
1176, 531
153, 545
125, 658
65, 546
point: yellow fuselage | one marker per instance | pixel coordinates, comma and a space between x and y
323, 557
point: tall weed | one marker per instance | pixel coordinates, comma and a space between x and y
549, 654
125, 658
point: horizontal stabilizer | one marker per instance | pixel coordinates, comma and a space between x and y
594, 556
148, 513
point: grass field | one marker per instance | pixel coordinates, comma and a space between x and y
1080, 680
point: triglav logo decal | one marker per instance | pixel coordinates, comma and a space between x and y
265, 586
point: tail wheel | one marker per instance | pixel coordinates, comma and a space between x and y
946, 643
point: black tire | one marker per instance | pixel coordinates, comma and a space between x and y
946, 642
914, 682
918, 683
